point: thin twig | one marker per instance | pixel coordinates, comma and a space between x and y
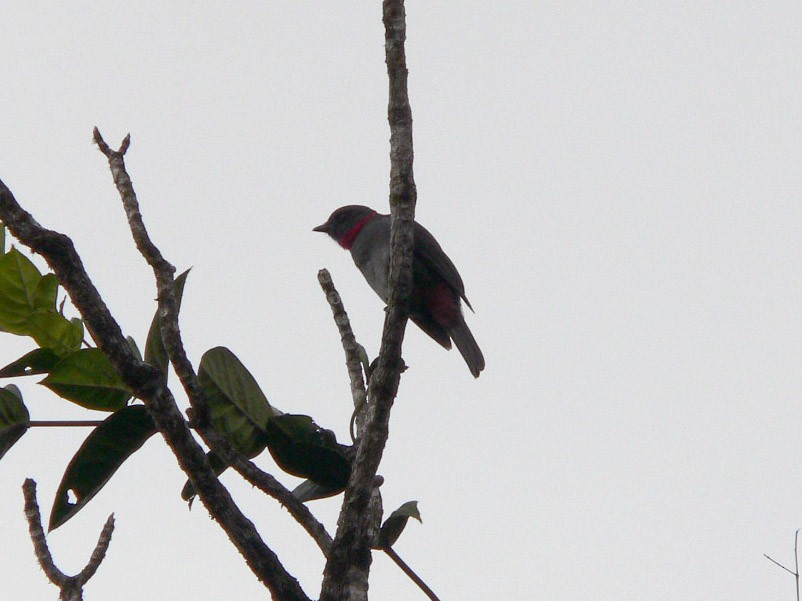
99, 553
410, 572
351, 347
272, 487
353, 362
71, 587
777, 563
164, 272
34, 517
796, 561
795, 572
64, 423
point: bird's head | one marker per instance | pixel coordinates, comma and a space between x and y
344, 224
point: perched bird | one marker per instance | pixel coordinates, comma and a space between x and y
436, 285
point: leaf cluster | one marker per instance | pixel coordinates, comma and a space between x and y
239, 409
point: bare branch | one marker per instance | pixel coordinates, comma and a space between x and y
148, 384
411, 573
99, 553
777, 563
164, 272
795, 572
171, 335
71, 587
796, 561
345, 576
351, 347
34, 517
272, 487
64, 423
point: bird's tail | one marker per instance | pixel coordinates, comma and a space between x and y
466, 344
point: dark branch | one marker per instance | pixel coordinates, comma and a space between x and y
352, 348
34, 517
64, 423
777, 563
171, 335
164, 272
103, 542
148, 384
71, 587
411, 573
345, 576
270, 486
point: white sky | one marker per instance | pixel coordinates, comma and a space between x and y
619, 184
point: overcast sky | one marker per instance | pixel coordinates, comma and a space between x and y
620, 186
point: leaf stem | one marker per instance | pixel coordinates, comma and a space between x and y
64, 423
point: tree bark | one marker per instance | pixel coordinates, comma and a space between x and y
346, 572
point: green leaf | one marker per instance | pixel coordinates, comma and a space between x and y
101, 454
38, 361
86, 377
14, 417
44, 296
302, 448
28, 305
54, 331
238, 406
395, 524
19, 280
2, 239
155, 353
310, 491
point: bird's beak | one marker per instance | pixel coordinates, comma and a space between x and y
324, 227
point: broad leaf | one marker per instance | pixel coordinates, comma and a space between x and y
86, 377
395, 524
14, 417
44, 296
19, 280
155, 353
239, 408
302, 448
38, 361
54, 331
310, 491
101, 454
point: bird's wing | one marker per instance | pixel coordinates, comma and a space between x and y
428, 250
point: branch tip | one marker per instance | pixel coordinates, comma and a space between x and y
101, 143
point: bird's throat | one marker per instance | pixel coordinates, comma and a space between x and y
347, 239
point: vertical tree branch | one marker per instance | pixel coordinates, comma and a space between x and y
345, 576
795, 571
351, 347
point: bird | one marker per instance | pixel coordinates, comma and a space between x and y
437, 287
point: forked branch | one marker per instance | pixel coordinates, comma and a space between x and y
70, 587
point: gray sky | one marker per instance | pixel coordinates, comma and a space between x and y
619, 184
